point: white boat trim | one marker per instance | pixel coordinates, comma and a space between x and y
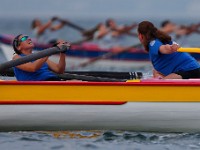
137, 116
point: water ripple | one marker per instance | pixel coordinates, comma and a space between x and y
99, 140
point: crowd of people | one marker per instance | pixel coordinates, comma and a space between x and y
109, 34
158, 42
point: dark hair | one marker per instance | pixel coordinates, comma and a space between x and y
108, 22
16, 44
150, 32
33, 24
164, 23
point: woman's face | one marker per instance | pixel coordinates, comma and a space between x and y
25, 43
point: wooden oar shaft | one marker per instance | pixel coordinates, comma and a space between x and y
32, 57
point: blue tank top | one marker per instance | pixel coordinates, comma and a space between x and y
41, 74
170, 63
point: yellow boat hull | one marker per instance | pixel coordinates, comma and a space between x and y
153, 106
72, 92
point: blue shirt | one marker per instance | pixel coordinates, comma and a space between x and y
170, 63
41, 74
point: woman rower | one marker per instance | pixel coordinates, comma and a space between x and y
163, 54
46, 32
39, 70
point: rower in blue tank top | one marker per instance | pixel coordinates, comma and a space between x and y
163, 54
42, 74
42, 69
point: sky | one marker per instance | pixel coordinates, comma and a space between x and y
101, 8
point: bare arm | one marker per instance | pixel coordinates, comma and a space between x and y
168, 49
126, 30
31, 66
42, 28
58, 67
58, 26
102, 31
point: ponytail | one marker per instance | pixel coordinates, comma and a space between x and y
150, 32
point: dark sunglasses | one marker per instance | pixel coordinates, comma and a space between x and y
24, 38
18, 41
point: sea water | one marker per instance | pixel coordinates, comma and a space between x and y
86, 140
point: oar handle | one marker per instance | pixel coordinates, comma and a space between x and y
32, 57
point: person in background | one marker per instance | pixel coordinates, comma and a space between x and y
121, 30
111, 36
168, 27
167, 62
183, 32
45, 32
42, 69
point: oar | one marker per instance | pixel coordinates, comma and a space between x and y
68, 76
31, 57
102, 74
70, 24
189, 49
85, 32
104, 56
81, 41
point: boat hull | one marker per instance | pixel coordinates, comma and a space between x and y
134, 116
63, 92
147, 105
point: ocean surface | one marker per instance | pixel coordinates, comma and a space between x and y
98, 140
89, 140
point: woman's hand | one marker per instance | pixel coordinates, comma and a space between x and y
174, 47
168, 49
60, 43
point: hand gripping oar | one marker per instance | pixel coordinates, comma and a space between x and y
34, 56
104, 56
189, 49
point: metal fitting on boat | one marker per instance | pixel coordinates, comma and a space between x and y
136, 75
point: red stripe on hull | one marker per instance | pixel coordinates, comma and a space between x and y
60, 102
